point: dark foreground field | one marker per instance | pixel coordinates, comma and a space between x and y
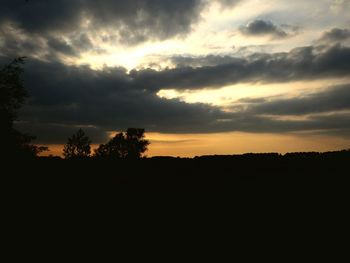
166, 174
257, 190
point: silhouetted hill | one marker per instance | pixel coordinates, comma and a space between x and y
204, 173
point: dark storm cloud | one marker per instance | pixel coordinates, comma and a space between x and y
263, 28
335, 35
129, 22
37, 16
134, 21
198, 62
64, 98
61, 46
57, 133
83, 41
333, 99
252, 100
327, 111
306, 63
52, 30
12, 44
141, 20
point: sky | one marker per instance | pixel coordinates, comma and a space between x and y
201, 76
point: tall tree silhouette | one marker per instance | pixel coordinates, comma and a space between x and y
136, 144
78, 146
125, 145
12, 92
12, 96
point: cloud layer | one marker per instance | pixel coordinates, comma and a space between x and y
66, 95
336, 35
134, 21
263, 28
305, 63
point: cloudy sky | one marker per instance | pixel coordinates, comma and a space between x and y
201, 76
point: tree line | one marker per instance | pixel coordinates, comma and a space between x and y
124, 145
17, 145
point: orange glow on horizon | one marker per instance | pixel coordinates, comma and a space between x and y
190, 145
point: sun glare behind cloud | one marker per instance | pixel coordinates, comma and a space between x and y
230, 95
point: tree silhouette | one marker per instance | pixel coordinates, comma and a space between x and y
12, 92
136, 144
125, 145
114, 149
12, 96
78, 146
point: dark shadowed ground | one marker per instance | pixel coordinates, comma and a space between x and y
262, 192
167, 174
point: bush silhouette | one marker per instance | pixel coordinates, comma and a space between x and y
78, 146
125, 145
12, 96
